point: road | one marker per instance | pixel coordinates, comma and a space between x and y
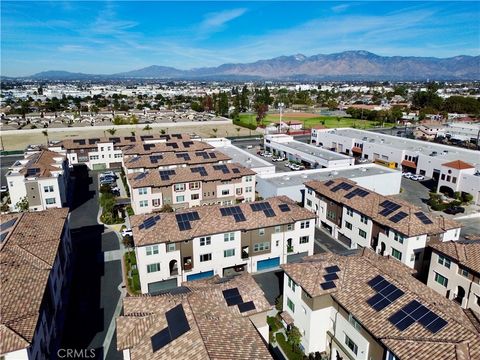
5, 163
96, 283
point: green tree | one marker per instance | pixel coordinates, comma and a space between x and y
214, 132
112, 131
223, 104
261, 110
294, 337
162, 132
147, 128
22, 205
128, 242
244, 98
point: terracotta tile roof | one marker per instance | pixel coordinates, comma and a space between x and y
26, 258
369, 205
459, 165
287, 318
409, 164
217, 331
465, 253
212, 222
45, 161
171, 158
458, 337
182, 174
163, 147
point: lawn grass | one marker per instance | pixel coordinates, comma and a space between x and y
287, 348
133, 281
327, 121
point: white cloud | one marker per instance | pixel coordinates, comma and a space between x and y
216, 21
340, 8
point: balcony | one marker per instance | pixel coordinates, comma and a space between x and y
289, 249
244, 255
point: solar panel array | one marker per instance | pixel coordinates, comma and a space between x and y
201, 170
187, 144
234, 211
265, 207
212, 155
398, 216
143, 137
114, 139
423, 218
133, 159
332, 269
284, 207
357, 192
413, 312
79, 141
183, 220
185, 156
177, 325
8, 224
342, 186
140, 176
233, 297
329, 182
147, 147
328, 285
148, 223
131, 138
202, 154
173, 145
93, 141
236, 170
329, 277
32, 171
154, 158
222, 168
165, 174
3, 236
388, 207
387, 293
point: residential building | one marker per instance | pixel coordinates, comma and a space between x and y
309, 155
415, 156
364, 219
184, 187
35, 251
365, 306
41, 178
219, 240
173, 145
207, 319
459, 176
455, 272
373, 177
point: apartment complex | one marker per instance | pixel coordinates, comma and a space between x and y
41, 179
455, 272
185, 187
365, 306
35, 253
206, 319
219, 240
364, 219
432, 160
180, 144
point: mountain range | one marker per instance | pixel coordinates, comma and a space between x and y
348, 65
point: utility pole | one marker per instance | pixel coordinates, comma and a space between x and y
280, 107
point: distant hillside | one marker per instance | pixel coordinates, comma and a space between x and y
348, 65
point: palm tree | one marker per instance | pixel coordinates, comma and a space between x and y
133, 133
238, 131
112, 131
45, 132
215, 132
162, 132
147, 128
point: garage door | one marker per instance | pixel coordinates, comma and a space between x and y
268, 264
199, 276
159, 286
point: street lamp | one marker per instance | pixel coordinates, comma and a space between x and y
280, 107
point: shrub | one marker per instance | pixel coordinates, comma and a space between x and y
467, 198
279, 303
130, 211
105, 188
128, 241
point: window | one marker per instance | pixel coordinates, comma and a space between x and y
291, 284
261, 232
179, 187
143, 203
454, 180
349, 212
205, 257
442, 260
194, 185
364, 219
225, 192
228, 237
206, 240
442, 280
180, 198
153, 267
398, 237
304, 224
248, 189
152, 250
156, 202
116, 156
463, 272
261, 246
194, 196
348, 225
229, 253
239, 191
351, 345
353, 321
309, 202
443, 177
171, 247
278, 229
50, 201
362, 233
304, 239
309, 191
290, 227
290, 305
48, 188
331, 215
142, 191
396, 254
248, 178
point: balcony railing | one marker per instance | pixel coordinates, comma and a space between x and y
187, 267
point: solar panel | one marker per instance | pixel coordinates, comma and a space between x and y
230, 293
114, 139
236, 171
243, 307
3, 236
185, 156
133, 159
32, 171
390, 208
375, 280
173, 145
414, 311
143, 137
131, 138
93, 141
147, 147
329, 182
330, 277
387, 293
154, 158
269, 213
436, 325
239, 217
423, 218
328, 285
202, 154
183, 220
187, 143
177, 322
213, 155
236, 211
165, 174
342, 186
160, 339
332, 269
284, 207
201, 170
234, 300
140, 176
6, 225
222, 168
356, 192
398, 216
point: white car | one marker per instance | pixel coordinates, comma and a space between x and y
407, 175
287, 164
108, 173
126, 232
268, 155
417, 177
3, 188
250, 147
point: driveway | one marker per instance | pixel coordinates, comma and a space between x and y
96, 283
328, 244
416, 192
271, 283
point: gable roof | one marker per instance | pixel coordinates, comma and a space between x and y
465, 253
459, 165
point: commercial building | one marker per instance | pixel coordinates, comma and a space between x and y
219, 240
35, 250
309, 155
455, 272
190, 186
416, 156
208, 319
364, 219
41, 179
365, 306
373, 177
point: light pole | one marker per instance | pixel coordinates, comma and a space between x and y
280, 107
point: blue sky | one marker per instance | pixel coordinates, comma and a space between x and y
108, 37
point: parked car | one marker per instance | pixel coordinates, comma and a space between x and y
407, 175
268, 155
108, 181
3, 188
126, 232
287, 164
455, 210
249, 146
362, 161
417, 177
